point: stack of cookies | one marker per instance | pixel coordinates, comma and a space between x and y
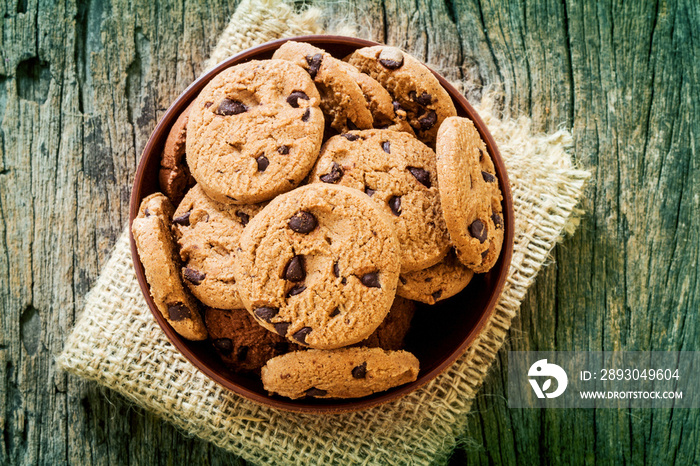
308, 203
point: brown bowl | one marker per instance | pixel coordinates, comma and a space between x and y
440, 334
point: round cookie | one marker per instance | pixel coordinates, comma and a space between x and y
240, 342
319, 265
441, 281
392, 331
342, 99
471, 198
254, 131
208, 233
156, 247
341, 373
398, 173
174, 176
413, 87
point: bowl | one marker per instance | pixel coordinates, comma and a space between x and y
439, 334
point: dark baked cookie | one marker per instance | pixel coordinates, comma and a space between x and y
319, 265
174, 177
413, 87
391, 332
441, 281
241, 343
340, 373
254, 131
398, 173
208, 233
470, 195
156, 247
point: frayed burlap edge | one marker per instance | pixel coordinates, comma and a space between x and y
117, 343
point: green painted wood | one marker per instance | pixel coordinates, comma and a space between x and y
82, 86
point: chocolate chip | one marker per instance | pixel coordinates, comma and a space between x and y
178, 311
224, 345
371, 280
335, 312
484, 254
230, 107
243, 217
313, 391
183, 219
281, 328
350, 137
488, 177
402, 280
266, 313
397, 106
242, 353
478, 230
300, 335
391, 58
262, 163
314, 62
193, 276
343, 281
497, 220
334, 175
281, 347
294, 270
437, 295
294, 97
351, 126
208, 104
423, 99
296, 289
302, 222
336, 269
147, 212
481, 154
428, 121
422, 175
369, 191
306, 115
360, 372
284, 150
395, 205
386, 145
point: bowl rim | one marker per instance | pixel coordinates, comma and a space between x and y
342, 405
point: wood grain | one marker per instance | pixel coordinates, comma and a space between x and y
82, 86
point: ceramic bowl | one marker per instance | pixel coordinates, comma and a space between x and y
439, 334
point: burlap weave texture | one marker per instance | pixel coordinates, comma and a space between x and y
117, 342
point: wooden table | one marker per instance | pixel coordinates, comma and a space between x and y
82, 86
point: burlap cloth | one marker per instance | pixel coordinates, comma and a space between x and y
117, 343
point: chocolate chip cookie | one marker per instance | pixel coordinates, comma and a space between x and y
470, 194
398, 173
391, 332
254, 131
240, 342
158, 254
340, 373
441, 281
174, 176
413, 87
319, 265
208, 233
342, 99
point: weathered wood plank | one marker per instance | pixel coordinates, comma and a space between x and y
82, 85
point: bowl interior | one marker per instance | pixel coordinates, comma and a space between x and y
440, 333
